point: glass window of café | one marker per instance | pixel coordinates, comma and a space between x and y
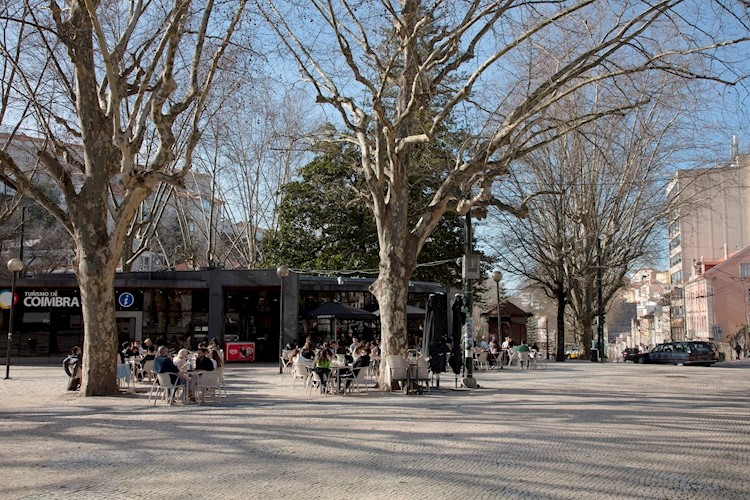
176, 317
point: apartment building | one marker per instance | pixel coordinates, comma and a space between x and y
717, 298
711, 220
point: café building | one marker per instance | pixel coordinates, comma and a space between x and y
183, 308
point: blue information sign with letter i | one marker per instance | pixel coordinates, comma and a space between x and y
126, 299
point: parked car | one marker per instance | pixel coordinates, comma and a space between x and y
681, 353
572, 353
631, 354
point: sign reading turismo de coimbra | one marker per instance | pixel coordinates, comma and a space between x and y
50, 299
38, 299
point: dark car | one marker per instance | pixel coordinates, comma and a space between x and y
631, 354
681, 353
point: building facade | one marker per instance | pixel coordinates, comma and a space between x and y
717, 299
711, 219
182, 308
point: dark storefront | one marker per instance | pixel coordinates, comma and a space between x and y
183, 308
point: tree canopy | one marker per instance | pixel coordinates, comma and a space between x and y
326, 222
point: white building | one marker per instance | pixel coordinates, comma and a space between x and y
711, 220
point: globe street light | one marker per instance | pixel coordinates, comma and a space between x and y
497, 276
15, 266
282, 272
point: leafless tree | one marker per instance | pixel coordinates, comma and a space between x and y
117, 90
405, 74
252, 152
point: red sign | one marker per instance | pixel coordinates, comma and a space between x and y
241, 351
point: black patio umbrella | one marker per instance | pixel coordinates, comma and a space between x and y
338, 311
435, 331
412, 312
458, 322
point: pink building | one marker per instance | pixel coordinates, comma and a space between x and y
717, 296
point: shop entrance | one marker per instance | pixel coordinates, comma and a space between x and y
128, 326
253, 316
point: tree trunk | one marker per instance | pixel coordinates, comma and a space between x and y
96, 279
391, 289
560, 356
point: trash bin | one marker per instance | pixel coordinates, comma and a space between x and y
594, 355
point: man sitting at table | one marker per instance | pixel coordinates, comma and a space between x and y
361, 362
163, 364
202, 361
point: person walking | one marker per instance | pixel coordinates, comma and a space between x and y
737, 349
72, 366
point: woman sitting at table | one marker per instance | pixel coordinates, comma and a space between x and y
181, 359
323, 366
215, 358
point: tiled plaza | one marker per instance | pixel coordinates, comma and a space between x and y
575, 430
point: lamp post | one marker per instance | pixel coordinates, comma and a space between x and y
497, 276
15, 266
282, 272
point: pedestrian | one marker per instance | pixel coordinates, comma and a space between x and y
72, 366
737, 349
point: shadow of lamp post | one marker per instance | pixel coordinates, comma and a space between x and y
15, 266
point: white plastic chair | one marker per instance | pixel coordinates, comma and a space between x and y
299, 372
167, 387
396, 370
482, 361
522, 358
423, 372
209, 383
147, 370
222, 381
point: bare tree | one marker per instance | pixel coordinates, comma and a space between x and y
403, 74
105, 81
276, 135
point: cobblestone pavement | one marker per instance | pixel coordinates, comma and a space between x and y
575, 430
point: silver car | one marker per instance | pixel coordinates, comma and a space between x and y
688, 352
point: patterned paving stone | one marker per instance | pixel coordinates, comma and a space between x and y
575, 430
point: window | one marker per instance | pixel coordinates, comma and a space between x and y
745, 270
675, 260
674, 243
676, 278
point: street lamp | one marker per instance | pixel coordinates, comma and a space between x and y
15, 266
497, 276
282, 272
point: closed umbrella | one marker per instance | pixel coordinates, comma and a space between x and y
458, 322
435, 332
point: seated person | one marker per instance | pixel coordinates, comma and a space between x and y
123, 368
214, 345
306, 355
72, 366
202, 361
523, 348
292, 357
323, 366
181, 359
163, 364
361, 362
215, 357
